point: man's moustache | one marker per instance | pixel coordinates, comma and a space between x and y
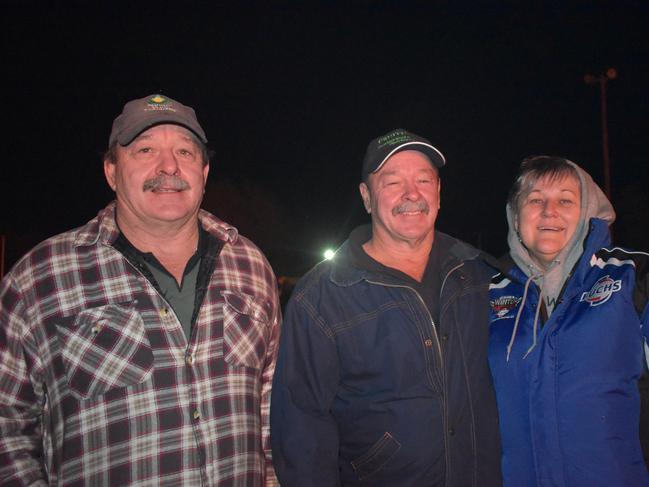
166, 182
408, 206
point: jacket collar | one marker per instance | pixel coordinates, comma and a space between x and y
343, 273
598, 236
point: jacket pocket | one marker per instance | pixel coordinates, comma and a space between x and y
245, 330
104, 348
376, 457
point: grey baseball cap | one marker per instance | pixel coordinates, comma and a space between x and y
144, 113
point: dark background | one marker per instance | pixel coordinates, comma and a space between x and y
290, 93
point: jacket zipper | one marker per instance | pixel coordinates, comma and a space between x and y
446, 419
439, 352
421, 300
432, 322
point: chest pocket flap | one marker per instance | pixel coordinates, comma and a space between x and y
245, 329
104, 348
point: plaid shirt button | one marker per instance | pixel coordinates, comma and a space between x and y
164, 312
189, 359
196, 414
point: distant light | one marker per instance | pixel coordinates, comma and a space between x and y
329, 254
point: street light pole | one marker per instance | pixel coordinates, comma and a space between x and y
602, 80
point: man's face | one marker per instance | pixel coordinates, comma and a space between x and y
403, 198
158, 178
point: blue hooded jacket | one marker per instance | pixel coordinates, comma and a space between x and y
568, 398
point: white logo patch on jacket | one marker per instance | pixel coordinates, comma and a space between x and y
601, 291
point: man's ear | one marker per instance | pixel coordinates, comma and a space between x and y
206, 171
109, 172
365, 196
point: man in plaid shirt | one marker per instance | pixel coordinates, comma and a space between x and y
139, 348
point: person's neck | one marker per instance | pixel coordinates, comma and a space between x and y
172, 245
543, 265
407, 256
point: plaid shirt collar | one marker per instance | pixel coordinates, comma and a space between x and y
106, 230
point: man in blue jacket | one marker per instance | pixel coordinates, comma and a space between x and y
382, 376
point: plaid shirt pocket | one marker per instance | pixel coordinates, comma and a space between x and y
245, 330
104, 348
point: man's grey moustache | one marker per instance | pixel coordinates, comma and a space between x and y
164, 181
406, 207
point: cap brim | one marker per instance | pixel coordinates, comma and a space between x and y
435, 156
127, 136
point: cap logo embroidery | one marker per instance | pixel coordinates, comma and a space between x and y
601, 291
394, 138
159, 103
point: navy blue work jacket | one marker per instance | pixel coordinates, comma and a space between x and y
369, 390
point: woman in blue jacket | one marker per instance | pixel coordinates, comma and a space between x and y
568, 321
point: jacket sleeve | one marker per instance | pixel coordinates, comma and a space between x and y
641, 293
20, 404
304, 433
266, 387
641, 302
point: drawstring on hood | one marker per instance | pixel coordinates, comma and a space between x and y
593, 204
518, 317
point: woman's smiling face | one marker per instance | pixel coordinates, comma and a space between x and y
548, 217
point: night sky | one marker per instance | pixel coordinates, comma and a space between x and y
290, 93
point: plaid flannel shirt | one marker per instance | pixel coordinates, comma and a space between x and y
100, 386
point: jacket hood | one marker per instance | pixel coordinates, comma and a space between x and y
593, 204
